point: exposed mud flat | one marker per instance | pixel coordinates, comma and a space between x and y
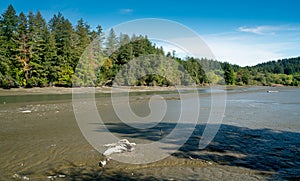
41, 140
62, 90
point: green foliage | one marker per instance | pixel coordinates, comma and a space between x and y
36, 53
152, 70
8, 46
243, 76
229, 74
195, 70
286, 66
283, 72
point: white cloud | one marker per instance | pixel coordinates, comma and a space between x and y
126, 11
241, 48
269, 30
242, 53
260, 30
237, 49
251, 50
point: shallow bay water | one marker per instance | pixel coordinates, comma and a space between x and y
259, 138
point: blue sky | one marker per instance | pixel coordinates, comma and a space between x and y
240, 32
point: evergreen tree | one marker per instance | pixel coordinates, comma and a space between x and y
37, 40
23, 50
64, 36
51, 65
34, 53
83, 36
112, 42
8, 47
229, 74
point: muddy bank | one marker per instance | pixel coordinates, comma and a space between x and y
65, 90
46, 141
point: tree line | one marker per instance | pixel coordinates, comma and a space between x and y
282, 72
36, 53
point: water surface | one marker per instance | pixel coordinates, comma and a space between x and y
259, 138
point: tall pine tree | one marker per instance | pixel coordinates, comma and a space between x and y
8, 48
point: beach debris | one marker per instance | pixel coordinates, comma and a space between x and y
191, 158
121, 146
20, 177
210, 163
16, 176
26, 111
102, 163
61, 176
53, 177
29, 108
25, 178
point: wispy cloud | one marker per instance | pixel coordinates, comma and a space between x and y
260, 30
268, 29
242, 53
126, 11
234, 47
244, 49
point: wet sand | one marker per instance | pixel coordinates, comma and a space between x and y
47, 142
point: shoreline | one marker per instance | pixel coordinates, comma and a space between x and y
68, 90
48, 142
105, 89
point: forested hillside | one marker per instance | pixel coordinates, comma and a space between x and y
284, 72
36, 53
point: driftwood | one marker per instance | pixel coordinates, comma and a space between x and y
121, 146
